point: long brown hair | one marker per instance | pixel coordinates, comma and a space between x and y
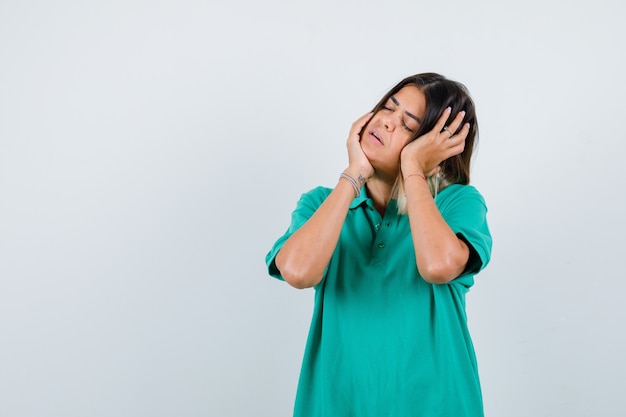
440, 93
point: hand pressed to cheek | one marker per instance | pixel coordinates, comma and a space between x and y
427, 151
359, 165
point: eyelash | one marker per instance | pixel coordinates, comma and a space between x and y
408, 129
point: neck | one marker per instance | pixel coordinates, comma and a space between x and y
379, 189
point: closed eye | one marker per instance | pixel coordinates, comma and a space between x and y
387, 107
404, 125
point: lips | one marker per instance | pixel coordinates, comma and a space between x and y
375, 136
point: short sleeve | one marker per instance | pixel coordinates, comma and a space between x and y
465, 211
305, 208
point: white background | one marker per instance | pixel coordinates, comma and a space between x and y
152, 151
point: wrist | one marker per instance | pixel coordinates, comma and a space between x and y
410, 168
356, 183
418, 175
358, 174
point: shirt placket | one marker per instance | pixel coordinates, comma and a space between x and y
380, 244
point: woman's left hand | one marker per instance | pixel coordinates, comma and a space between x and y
424, 154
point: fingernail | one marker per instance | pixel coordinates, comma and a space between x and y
462, 112
448, 109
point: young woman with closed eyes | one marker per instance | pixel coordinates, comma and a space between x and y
391, 251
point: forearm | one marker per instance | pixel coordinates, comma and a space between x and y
440, 255
305, 255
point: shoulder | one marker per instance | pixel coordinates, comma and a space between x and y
318, 192
455, 190
464, 209
460, 204
460, 193
309, 202
315, 196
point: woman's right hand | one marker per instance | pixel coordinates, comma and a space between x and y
304, 257
359, 165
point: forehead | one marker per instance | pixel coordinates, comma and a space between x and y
412, 100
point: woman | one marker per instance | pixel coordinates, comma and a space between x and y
391, 252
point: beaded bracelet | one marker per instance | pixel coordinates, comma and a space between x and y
352, 181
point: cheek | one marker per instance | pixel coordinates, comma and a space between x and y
405, 141
367, 148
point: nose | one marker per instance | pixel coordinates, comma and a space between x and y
387, 122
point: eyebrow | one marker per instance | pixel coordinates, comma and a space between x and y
412, 116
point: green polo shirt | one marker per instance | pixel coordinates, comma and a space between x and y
384, 342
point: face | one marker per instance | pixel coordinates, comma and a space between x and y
392, 128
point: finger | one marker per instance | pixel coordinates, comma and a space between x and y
456, 150
453, 149
456, 122
358, 125
362, 121
464, 131
456, 144
459, 137
442, 120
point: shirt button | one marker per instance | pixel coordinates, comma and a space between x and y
381, 245
377, 226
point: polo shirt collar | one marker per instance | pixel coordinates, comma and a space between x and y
361, 199
364, 199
